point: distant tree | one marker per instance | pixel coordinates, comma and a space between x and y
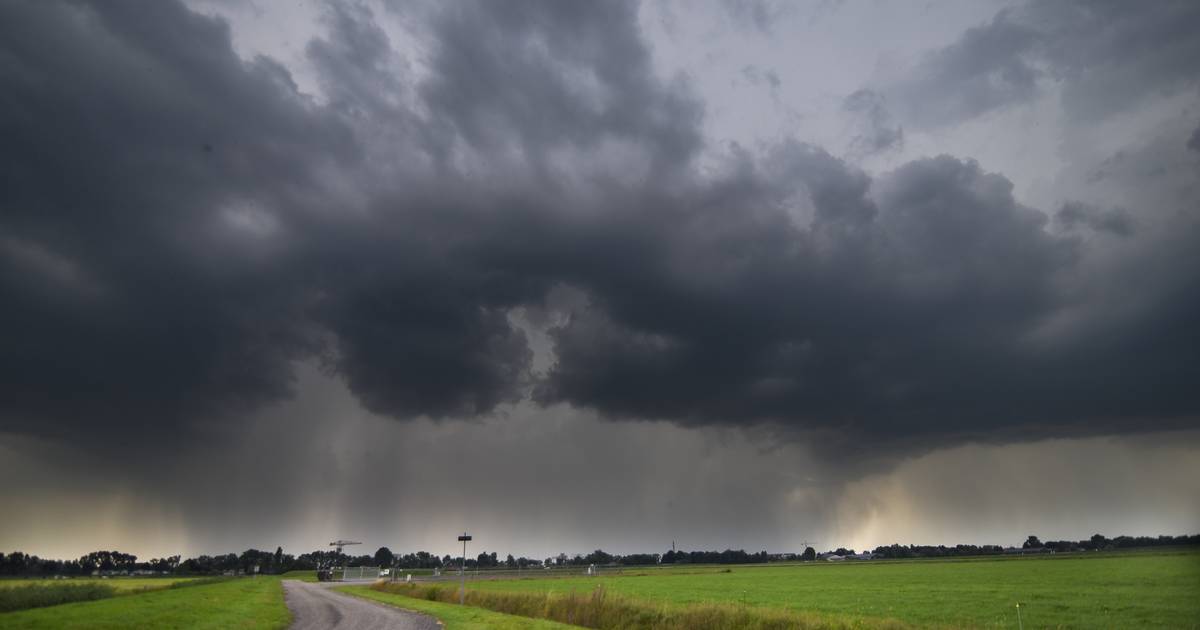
163, 564
384, 557
598, 557
227, 562
1032, 543
1124, 542
510, 562
277, 561
635, 559
254, 558
809, 554
1099, 541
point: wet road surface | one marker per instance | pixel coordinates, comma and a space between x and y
317, 607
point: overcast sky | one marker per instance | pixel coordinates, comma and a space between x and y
573, 275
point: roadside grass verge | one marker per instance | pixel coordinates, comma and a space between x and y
244, 603
51, 594
455, 617
602, 610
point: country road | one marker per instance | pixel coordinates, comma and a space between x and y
317, 607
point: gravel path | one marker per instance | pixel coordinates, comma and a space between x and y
316, 607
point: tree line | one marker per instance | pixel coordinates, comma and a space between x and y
1032, 544
266, 562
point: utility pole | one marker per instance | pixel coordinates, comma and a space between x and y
462, 571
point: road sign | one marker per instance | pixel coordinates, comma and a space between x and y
464, 538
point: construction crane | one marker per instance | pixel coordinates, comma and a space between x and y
325, 569
343, 543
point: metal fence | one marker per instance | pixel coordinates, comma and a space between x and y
450, 573
356, 574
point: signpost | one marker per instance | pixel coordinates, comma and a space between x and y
462, 571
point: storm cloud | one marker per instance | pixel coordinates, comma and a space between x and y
578, 274
182, 226
1103, 58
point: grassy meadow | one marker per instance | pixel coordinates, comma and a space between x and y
1098, 590
1109, 590
245, 603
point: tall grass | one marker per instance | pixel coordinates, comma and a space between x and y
51, 594
604, 611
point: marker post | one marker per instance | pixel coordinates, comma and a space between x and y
462, 570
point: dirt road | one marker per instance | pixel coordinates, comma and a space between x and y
316, 607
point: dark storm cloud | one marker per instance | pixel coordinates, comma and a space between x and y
985, 69
877, 132
127, 127
1106, 55
1073, 215
891, 318
180, 226
420, 315
1194, 141
539, 76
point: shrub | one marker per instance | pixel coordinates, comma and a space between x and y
51, 594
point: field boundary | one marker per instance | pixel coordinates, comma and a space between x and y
602, 610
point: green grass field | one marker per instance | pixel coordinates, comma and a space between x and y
1078, 591
121, 584
1109, 590
246, 603
456, 617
